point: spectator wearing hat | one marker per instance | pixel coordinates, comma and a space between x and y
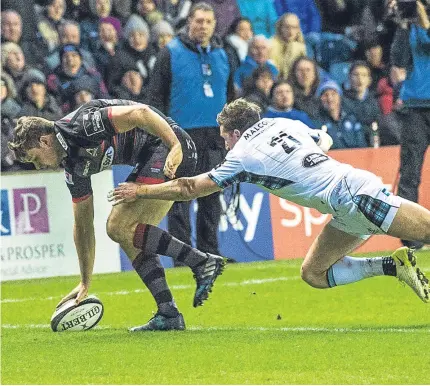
162, 33
13, 63
70, 70
147, 10
305, 79
258, 55
49, 20
9, 112
175, 11
359, 98
37, 102
107, 43
83, 90
137, 52
282, 104
288, 44
131, 87
69, 33
34, 50
342, 125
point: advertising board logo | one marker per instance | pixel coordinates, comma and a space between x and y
25, 211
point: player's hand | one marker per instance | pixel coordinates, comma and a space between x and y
79, 293
173, 160
124, 192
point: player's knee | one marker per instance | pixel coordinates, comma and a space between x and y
115, 230
308, 275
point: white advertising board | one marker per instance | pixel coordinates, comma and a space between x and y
37, 226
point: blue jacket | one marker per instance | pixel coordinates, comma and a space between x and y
295, 114
247, 67
415, 91
348, 132
262, 14
180, 88
306, 10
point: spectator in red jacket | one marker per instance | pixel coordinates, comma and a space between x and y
388, 89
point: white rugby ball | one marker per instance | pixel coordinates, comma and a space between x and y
71, 317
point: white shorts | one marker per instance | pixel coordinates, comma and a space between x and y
362, 206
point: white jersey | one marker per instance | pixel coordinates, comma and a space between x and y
282, 156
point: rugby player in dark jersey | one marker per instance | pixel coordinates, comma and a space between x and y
92, 138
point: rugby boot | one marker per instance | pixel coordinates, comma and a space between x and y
205, 277
160, 322
408, 272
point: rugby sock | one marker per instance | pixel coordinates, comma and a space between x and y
152, 239
150, 270
351, 269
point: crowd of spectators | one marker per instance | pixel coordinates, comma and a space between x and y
324, 62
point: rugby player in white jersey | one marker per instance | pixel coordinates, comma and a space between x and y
288, 159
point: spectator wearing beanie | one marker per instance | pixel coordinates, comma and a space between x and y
342, 125
69, 33
107, 43
37, 102
70, 70
135, 53
82, 91
162, 33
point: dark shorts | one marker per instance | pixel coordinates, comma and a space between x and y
150, 170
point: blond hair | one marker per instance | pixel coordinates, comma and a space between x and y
239, 115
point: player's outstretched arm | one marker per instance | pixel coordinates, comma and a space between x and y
182, 189
85, 243
125, 118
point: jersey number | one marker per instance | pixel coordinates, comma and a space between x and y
287, 142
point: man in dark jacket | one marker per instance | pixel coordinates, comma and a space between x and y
191, 82
410, 50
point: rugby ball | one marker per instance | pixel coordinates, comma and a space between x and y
72, 317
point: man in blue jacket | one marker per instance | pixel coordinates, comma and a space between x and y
410, 49
191, 83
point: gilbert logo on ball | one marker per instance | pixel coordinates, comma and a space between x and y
81, 317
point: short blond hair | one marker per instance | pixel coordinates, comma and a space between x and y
239, 115
27, 133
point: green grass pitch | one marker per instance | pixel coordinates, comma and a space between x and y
261, 325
